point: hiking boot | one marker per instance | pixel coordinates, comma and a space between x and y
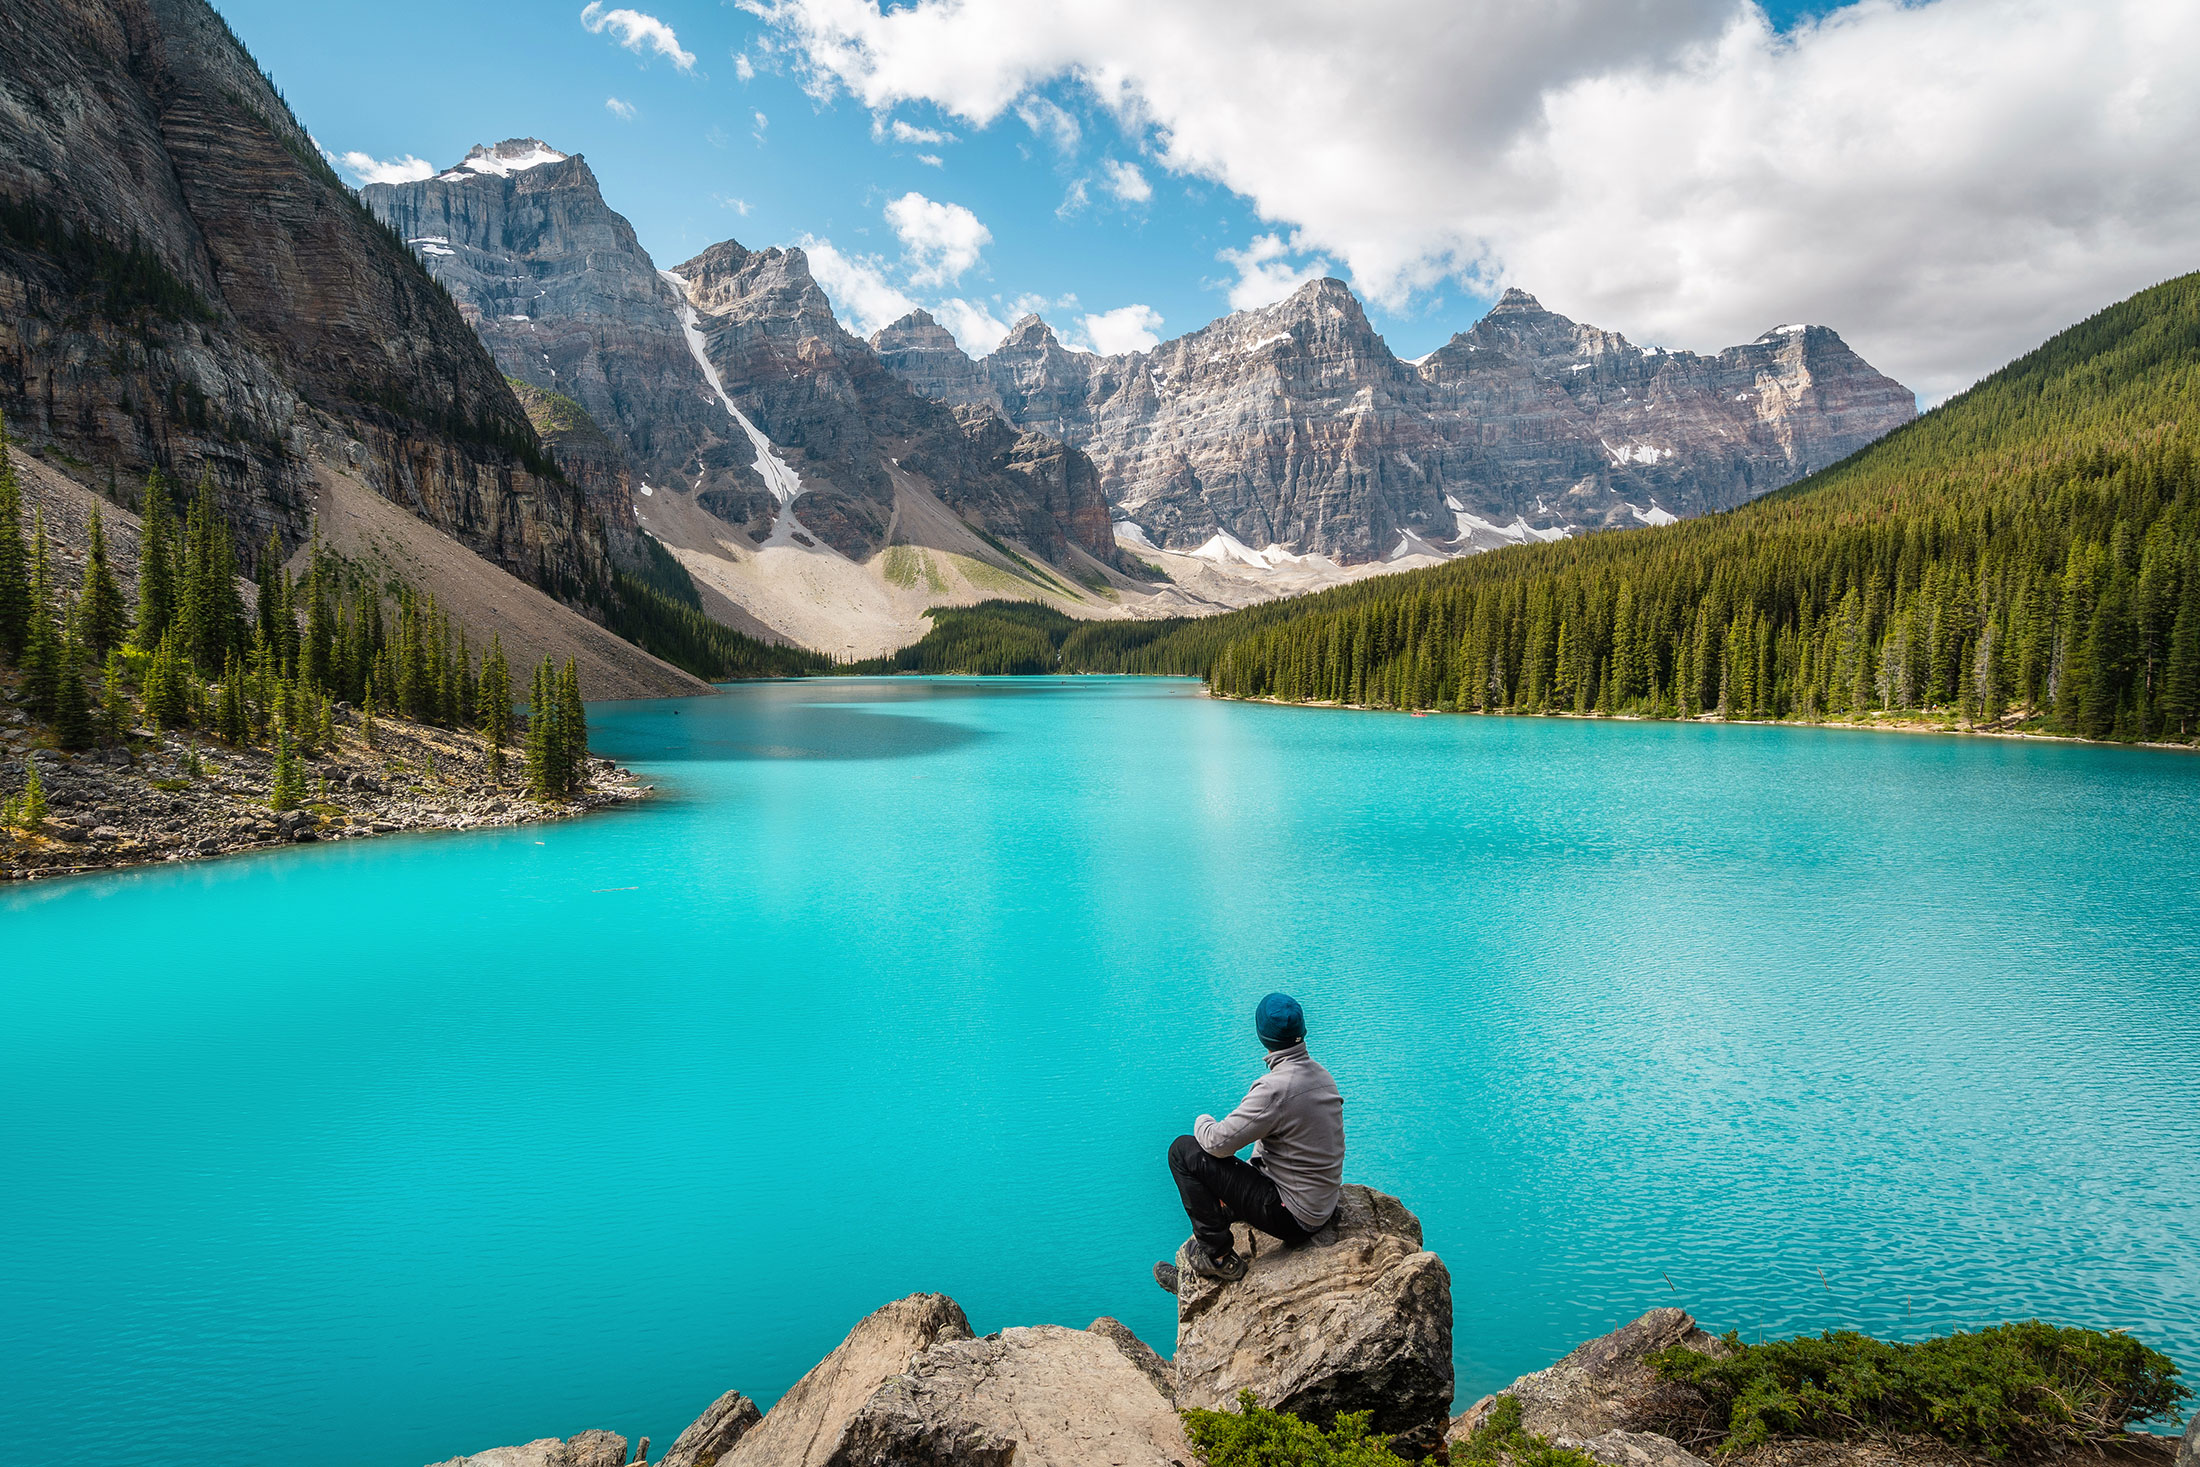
1164, 1274
1226, 1265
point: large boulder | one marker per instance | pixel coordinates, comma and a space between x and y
1360, 1324
1044, 1396
713, 1434
1635, 1449
589, 1449
2188, 1451
804, 1429
1606, 1385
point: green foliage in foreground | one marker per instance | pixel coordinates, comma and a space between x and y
1253, 1437
2027, 1388
1500, 1441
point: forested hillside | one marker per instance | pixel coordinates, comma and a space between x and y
2027, 552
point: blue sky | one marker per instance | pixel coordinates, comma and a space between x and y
1430, 153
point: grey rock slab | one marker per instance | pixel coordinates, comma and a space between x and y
711, 1435
1361, 1325
589, 1449
2188, 1450
1606, 1385
1044, 1396
805, 1427
1139, 1353
1635, 1449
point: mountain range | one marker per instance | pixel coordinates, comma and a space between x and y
1294, 426
491, 355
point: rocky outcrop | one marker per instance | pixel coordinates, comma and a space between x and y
565, 297
589, 1449
806, 1426
1039, 1397
1139, 1353
713, 1434
185, 284
1294, 425
1606, 1385
1635, 1449
846, 424
1363, 1324
2188, 1450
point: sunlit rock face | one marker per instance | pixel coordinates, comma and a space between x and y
1294, 425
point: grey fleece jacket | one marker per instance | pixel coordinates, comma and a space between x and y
1296, 1115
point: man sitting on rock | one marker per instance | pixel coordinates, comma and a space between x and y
1291, 1188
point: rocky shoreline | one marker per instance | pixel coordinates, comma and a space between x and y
179, 796
1360, 1321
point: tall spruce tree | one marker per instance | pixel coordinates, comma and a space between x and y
541, 735
157, 571
42, 639
104, 617
72, 708
213, 620
572, 731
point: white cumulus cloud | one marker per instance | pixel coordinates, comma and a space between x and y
857, 285
975, 329
1124, 329
402, 169
1944, 181
1264, 275
624, 111
638, 32
743, 68
903, 132
1126, 182
942, 240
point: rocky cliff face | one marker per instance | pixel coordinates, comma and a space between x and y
565, 297
1295, 426
843, 420
184, 284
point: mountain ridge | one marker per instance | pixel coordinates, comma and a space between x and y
1294, 425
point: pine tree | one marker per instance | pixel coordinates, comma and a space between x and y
157, 590
366, 715
72, 709
233, 722
2181, 677
15, 580
288, 785
572, 732
167, 686
42, 639
114, 701
27, 811
105, 616
541, 735
212, 618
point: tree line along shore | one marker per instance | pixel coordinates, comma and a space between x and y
182, 711
2024, 557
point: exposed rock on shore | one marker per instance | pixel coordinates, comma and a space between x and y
1361, 1325
139, 803
1039, 1397
589, 1449
805, 1427
1604, 1386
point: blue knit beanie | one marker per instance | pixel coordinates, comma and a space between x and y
1279, 1021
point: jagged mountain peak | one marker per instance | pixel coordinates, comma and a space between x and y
502, 160
1029, 331
1515, 301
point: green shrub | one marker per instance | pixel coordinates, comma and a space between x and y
1500, 1442
2026, 1388
1253, 1437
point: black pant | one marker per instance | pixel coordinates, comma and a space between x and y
1221, 1190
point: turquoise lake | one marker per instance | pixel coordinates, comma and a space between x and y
379, 1152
